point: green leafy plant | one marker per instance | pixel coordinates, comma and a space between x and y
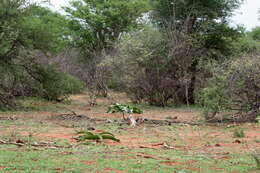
86, 135
123, 108
258, 119
257, 160
238, 133
54, 85
233, 88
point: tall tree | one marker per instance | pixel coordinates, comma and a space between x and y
28, 26
46, 30
97, 23
24, 28
11, 14
202, 21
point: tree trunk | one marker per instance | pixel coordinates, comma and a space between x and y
191, 89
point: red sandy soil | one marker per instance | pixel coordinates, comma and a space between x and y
191, 139
59, 170
88, 162
186, 116
171, 163
218, 143
64, 136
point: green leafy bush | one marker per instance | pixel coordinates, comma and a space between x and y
257, 160
7, 102
34, 79
255, 33
26, 31
238, 133
235, 87
72, 84
7, 82
55, 85
147, 70
214, 98
123, 108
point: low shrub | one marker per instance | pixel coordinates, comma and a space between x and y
152, 68
238, 133
55, 85
215, 98
7, 102
33, 79
257, 160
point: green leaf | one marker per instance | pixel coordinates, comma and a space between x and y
85, 135
110, 137
107, 133
123, 108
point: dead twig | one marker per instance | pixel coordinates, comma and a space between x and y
20, 143
13, 118
11, 143
143, 155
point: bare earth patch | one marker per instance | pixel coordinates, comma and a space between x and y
215, 140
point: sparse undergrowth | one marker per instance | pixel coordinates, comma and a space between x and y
239, 133
145, 148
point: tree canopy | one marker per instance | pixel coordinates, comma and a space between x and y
206, 21
25, 25
96, 23
45, 30
157, 51
203, 26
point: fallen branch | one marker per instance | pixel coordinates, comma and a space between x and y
148, 147
20, 143
147, 156
9, 118
75, 117
143, 155
163, 122
11, 143
163, 145
130, 120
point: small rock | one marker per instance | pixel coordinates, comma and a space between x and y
19, 141
109, 121
91, 128
237, 141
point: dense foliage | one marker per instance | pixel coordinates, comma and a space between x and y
27, 31
97, 24
235, 86
159, 52
204, 26
52, 84
142, 66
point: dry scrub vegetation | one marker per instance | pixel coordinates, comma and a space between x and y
182, 84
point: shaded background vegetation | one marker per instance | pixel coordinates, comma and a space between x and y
159, 52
